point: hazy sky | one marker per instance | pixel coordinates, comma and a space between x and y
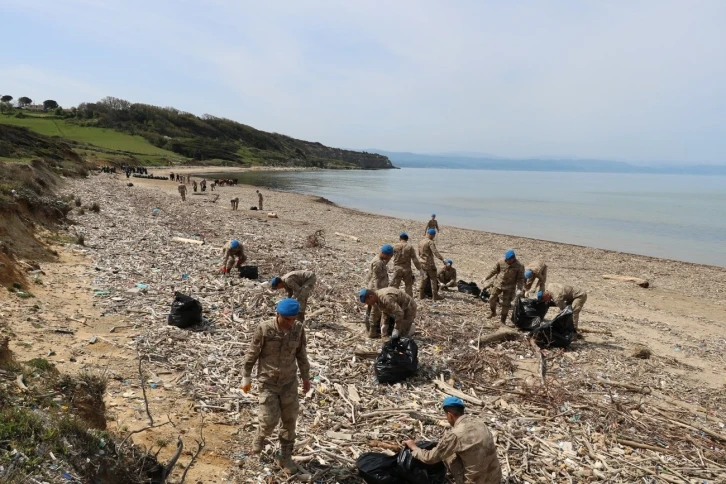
629, 80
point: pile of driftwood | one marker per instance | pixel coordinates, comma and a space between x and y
619, 420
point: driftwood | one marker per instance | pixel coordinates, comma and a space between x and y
187, 241
635, 388
636, 280
502, 334
446, 388
352, 237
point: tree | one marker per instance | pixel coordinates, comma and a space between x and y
6, 98
6, 107
24, 101
50, 104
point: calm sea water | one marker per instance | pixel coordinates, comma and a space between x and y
671, 216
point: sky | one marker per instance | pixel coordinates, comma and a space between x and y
639, 81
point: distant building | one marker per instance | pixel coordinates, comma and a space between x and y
35, 108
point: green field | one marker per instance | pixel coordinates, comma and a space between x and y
103, 138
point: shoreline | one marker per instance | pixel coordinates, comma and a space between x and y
195, 170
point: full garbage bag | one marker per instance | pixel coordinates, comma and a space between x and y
468, 288
397, 360
249, 272
377, 468
416, 472
557, 333
528, 313
185, 311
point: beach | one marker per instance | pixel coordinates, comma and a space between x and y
681, 317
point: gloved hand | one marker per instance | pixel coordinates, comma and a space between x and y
224, 270
306, 386
246, 384
422, 273
519, 293
394, 334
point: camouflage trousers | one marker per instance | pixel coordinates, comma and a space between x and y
507, 297
431, 273
230, 262
278, 403
405, 275
302, 297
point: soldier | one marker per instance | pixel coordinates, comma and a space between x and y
426, 252
377, 279
535, 270
298, 284
194, 185
562, 296
235, 203
509, 276
468, 450
432, 224
279, 349
232, 249
203, 184
259, 200
182, 191
403, 255
171, 176
447, 274
397, 308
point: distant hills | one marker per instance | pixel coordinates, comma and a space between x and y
478, 161
120, 129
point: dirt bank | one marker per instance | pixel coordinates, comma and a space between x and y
193, 378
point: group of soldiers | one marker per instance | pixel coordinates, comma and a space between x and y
278, 346
184, 180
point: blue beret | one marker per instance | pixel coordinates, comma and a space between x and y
387, 249
433, 214
540, 294
404, 235
275, 281
288, 307
234, 244
453, 402
509, 254
527, 273
362, 295
431, 231
449, 261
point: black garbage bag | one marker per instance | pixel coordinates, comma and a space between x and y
397, 360
377, 468
528, 313
416, 472
468, 288
249, 272
185, 311
484, 296
557, 333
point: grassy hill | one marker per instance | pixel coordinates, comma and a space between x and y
152, 134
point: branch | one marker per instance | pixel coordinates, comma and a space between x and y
143, 389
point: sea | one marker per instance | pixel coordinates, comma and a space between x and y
681, 217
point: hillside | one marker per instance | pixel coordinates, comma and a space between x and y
209, 137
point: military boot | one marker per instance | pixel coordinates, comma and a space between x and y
258, 444
285, 459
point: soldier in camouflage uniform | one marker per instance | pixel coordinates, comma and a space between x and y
298, 284
397, 309
535, 270
426, 253
377, 279
232, 249
432, 224
562, 296
403, 255
508, 277
279, 349
447, 274
468, 449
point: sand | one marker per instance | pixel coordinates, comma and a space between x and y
681, 317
